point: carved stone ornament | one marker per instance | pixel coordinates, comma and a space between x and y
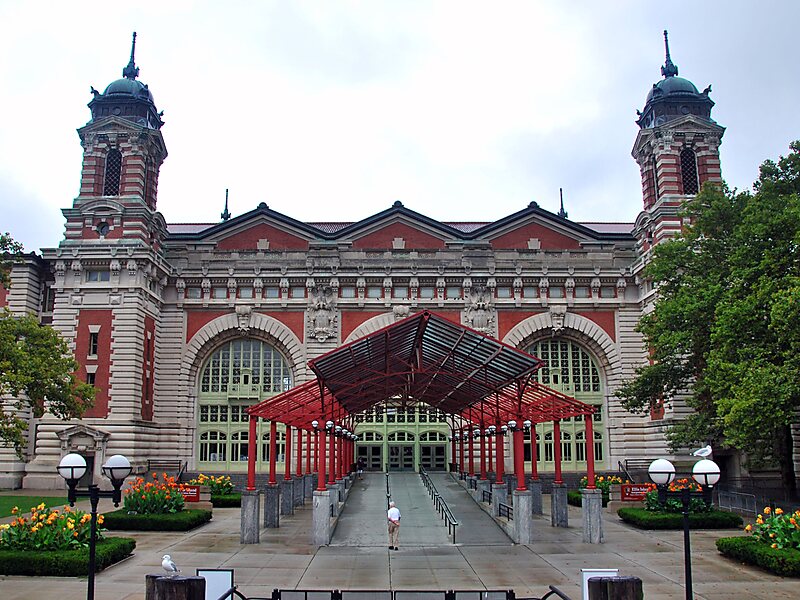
479, 312
115, 267
82, 439
400, 312
322, 317
244, 314
557, 314
132, 267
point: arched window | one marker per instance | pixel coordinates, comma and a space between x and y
548, 447
568, 367
113, 173
239, 446
580, 446
566, 446
213, 446
432, 436
598, 446
246, 368
370, 436
280, 447
401, 436
689, 172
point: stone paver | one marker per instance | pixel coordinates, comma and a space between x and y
359, 560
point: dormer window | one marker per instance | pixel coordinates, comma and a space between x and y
113, 173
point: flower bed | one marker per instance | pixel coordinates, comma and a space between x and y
154, 497
65, 563
648, 519
179, 521
781, 561
226, 500
219, 486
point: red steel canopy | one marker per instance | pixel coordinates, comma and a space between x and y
423, 358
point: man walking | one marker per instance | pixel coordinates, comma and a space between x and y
394, 525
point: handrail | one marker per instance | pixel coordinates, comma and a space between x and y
486, 495
505, 510
439, 503
388, 491
624, 470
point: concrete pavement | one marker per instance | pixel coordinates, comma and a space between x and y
358, 558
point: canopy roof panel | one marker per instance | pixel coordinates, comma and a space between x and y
423, 358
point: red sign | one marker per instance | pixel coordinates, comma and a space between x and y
635, 492
191, 493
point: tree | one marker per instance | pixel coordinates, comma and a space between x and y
37, 369
9, 253
725, 328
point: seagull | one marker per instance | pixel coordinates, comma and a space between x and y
170, 567
703, 452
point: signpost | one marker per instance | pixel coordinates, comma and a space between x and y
635, 492
191, 493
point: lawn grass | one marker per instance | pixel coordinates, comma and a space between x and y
25, 502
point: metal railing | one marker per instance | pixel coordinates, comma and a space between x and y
504, 510
486, 496
473, 484
405, 595
440, 504
388, 490
737, 501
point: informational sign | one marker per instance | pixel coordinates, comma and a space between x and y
191, 493
634, 492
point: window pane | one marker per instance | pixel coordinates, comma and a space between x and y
374, 292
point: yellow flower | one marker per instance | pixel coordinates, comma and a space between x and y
749, 528
774, 546
778, 511
15, 510
767, 510
772, 535
760, 520
70, 524
100, 519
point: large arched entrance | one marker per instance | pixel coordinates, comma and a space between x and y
572, 370
237, 374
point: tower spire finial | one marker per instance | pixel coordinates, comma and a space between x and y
562, 213
669, 69
225, 215
131, 71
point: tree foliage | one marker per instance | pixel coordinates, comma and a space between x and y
38, 369
725, 328
9, 252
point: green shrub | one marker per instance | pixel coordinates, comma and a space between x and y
180, 521
226, 500
777, 528
574, 498
781, 561
602, 482
64, 563
645, 519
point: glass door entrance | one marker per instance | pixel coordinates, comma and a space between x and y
401, 458
433, 457
373, 457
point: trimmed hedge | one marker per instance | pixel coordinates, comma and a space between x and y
747, 549
179, 521
65, 563
226, 500
574, 498
646, 519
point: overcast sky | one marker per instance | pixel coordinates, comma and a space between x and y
332, 110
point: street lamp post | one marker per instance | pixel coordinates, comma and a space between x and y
706, 473
72, 467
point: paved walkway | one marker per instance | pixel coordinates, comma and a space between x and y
285, 559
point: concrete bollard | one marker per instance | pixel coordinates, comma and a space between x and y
272, 505
559, 512
537, 507
159, 587
592, 508
615, 588
287, 496
250, 513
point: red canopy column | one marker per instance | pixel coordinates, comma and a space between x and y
332, 457
319, 459
489, 444
534, 454
471, 455
557, 450
273, 452
252, 448
499, 443
483, 456
589, 451
453, 449
299, 470
519, 458
461, 451
287, 459
308, 452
